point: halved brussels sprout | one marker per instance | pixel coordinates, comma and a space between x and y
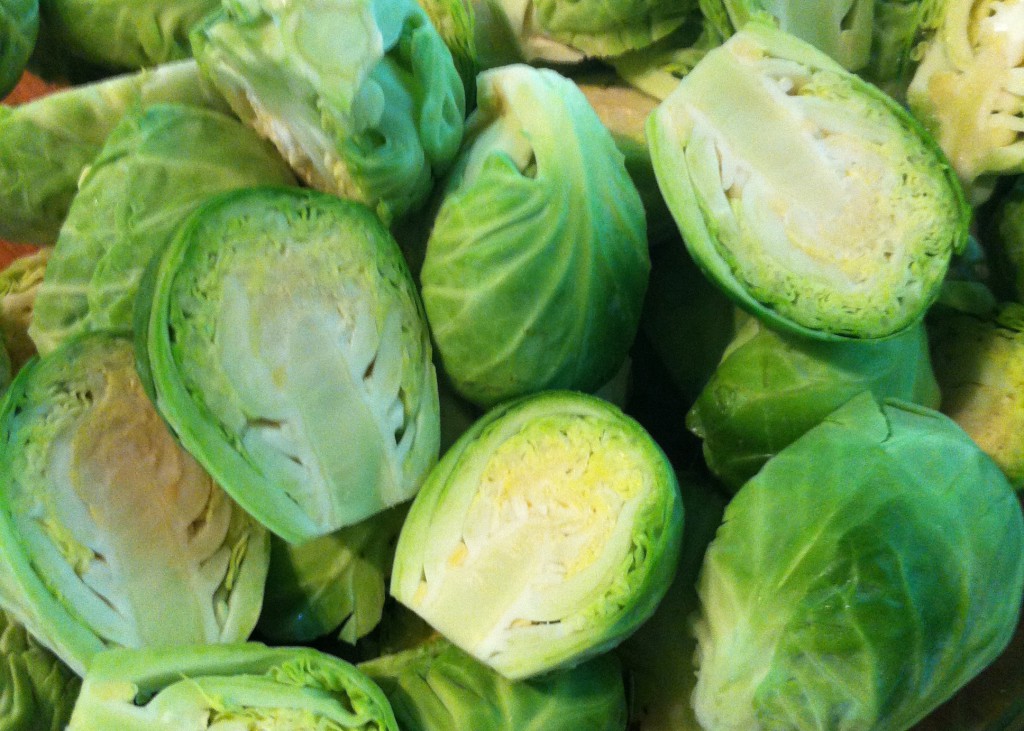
979, 362
290, 354
112, 534
810, 197
969, 89
337, 580
770, 388
19, 25
46, 144
361, 97
37, 692
438, 687
545, 536
536, 267
229, 688
865, 574
156, 167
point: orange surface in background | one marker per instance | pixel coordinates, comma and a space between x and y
29, 87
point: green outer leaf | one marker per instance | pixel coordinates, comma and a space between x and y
770, 388
541, 236
339, 580
863, 576
42, 579
700, 232
455, 21
438, 687
588, 625
157, 166
205, 409
118, 35
37, 692
187, 688
19, 24
46, 144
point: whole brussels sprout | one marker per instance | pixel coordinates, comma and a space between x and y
19, 25
866, 573
545, 536
289, 353
537, 264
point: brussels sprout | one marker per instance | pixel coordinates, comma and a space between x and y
362, 98
19, 285
112, 534
536, 267
545, 536
569, 31
978, 362
290, 354
37, 692
811, 198
969, 89
866, 573
228, 687
437, 687
46, 144
125, 35
19, 24
156, 167
840, 28
770, 388
335, 581
658, 658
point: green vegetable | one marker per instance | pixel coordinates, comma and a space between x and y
45, 145
967, 89
158, 165
19, 285
771, 387
228, 687
807, 195
124, 35
898, 28
545, 536
437, 687
290, 355
37, 692
865, 574
536, 267
361, 98
456, 24
19, 24
112, 534
338, 580
979, 363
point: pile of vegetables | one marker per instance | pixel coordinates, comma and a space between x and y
374, 365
